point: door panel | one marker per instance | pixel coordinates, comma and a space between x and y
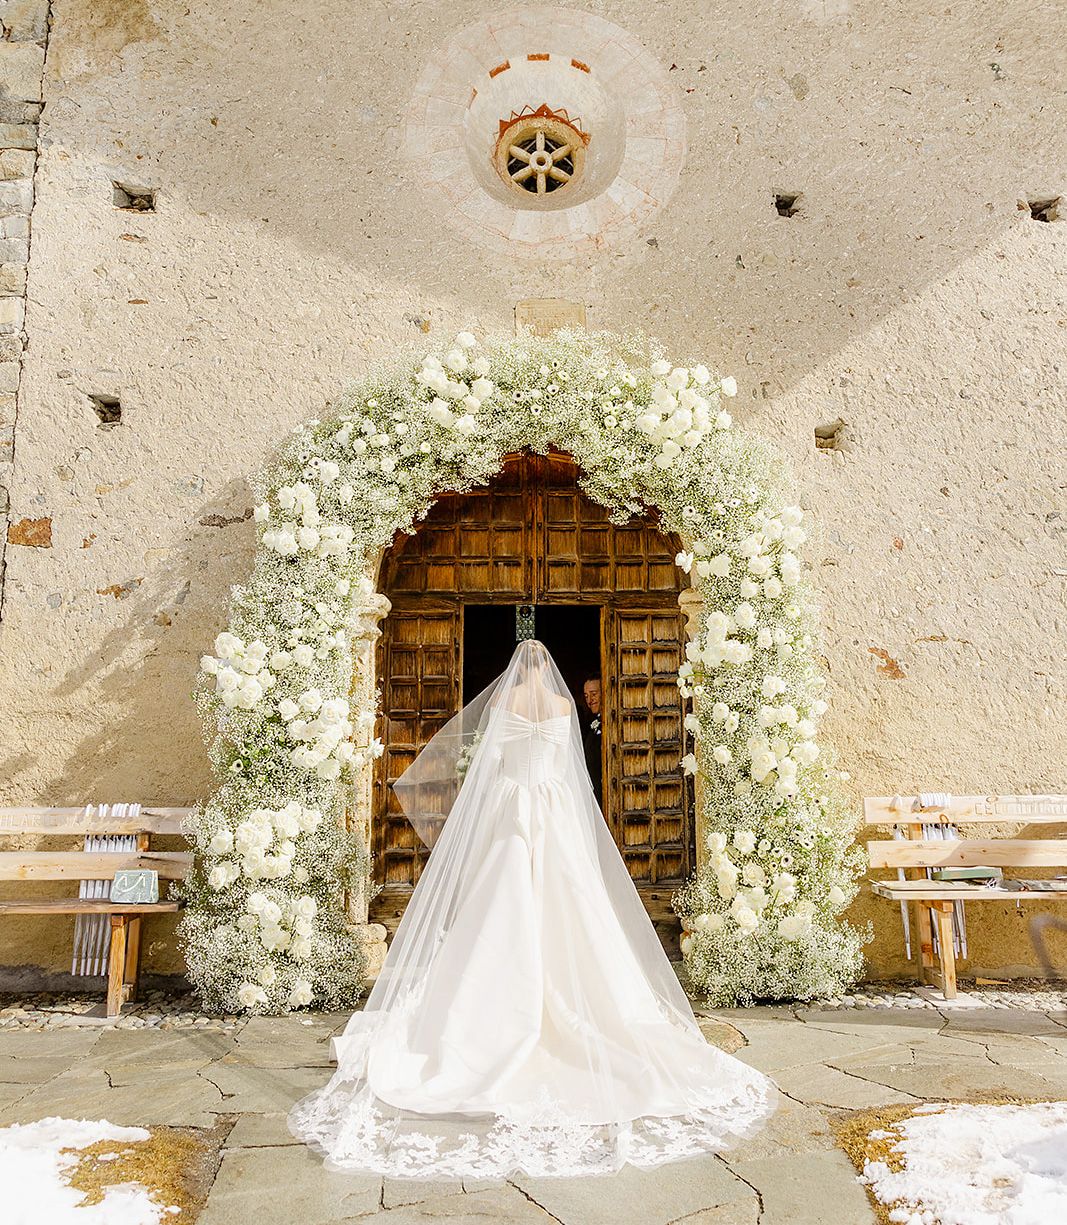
647, 792
419, 668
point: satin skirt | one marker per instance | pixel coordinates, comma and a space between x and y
533, 1038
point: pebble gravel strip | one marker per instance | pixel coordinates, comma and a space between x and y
160, 1010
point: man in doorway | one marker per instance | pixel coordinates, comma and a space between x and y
592, 741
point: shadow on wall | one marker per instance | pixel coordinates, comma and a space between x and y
834, 170
141, 684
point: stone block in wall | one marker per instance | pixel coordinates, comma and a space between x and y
15, 226
14, 250
14, 111
12, 314
7, 401
21, 66
18, 135
17, 163
24, 20
12, 279
16, 196
9, 383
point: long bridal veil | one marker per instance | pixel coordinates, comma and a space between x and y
526, 1017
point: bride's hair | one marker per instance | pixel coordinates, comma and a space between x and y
532, 662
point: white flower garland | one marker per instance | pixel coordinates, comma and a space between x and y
265, 929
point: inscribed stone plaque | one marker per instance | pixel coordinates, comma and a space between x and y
542, 316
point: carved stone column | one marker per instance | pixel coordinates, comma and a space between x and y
692, 605
365, 634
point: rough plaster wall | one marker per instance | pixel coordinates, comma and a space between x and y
910, 297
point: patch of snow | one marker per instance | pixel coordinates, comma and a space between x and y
33, 1174
978, 1165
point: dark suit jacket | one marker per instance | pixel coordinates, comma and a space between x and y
594, 761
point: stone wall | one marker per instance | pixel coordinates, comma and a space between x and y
229, 223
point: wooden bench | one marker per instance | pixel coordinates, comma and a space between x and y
126, 918
936, 901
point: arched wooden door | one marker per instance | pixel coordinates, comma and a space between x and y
532, 537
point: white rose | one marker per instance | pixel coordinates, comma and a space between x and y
745, 841
744, 616
728, 386
836, 896
466, 340
746, 918
227, 646
716, 843
791, 927
267, 975
221, 843
689, 764
301, 994
248, 995
722, 755
482, 388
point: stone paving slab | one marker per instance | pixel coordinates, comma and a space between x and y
793, 1128
502, 1202
16, 1069
175, 1049
257, 1090
788, 1046
286, 1186
667, 1194
825, 1086
958, 1079
808, 1189
30, 1043
179, 1099
260, 1131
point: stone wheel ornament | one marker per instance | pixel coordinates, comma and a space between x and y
540, 157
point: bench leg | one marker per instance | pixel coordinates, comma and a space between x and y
926, 939
116, 970
133, 959
943, 916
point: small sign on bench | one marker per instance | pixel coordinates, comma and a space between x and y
135, 886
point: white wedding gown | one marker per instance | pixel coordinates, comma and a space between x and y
540, 1027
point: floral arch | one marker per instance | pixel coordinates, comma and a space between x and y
289, 695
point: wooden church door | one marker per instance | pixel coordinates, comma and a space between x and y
531, 537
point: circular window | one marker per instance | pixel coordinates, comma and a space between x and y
542, 132
540, 155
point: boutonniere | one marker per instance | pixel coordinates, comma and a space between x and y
595, 725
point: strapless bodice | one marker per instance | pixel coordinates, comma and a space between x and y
531, 750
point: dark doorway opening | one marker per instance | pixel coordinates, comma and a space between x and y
570, 631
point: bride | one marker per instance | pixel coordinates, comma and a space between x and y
526, 1017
